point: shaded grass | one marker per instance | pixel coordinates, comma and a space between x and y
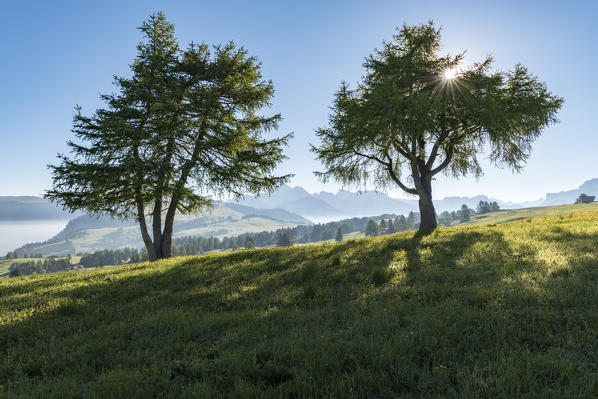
480, 311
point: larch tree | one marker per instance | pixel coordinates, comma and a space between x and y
184, 128
416, 114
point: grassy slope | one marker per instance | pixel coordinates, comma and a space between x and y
511, 215
477, 311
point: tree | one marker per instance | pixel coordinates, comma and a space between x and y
584, 199
339, 235
391, 227
249, 243
402, 223
464, 214
15, 273
283, 240
186, 125
416, 114
371, 229
383, 226
446, 218
410, 220
494, 207
483, 207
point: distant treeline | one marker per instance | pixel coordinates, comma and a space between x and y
380, 225
296, 235
48, 265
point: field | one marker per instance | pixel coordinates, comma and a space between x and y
510, 215
501, 310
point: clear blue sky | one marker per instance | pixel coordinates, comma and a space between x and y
56, 54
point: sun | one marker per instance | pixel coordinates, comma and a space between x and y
450, 74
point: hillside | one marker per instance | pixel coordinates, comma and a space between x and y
510, 215
88, 233
507, 310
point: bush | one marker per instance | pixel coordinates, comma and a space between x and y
584, 199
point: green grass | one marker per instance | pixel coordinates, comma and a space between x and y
507, 310
511, 215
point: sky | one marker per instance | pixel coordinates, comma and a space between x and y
58, 54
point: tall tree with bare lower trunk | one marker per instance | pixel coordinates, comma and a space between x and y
183, 128
416, 114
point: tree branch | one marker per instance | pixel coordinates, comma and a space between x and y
443, 164
373, 158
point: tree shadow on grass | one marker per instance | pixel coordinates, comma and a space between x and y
448, 322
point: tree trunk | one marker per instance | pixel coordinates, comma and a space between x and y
167, 236
149, 245
427, 215
157, 228
426, 207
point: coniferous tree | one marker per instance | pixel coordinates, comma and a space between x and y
465, 214
186, 122
416, 114
339, 235
371, 229
249, 243
411, 221
402, 223
383, 226
283, 240
391, 227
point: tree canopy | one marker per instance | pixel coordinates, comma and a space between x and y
185, 127
417, 113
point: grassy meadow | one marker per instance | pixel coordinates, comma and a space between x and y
500, 310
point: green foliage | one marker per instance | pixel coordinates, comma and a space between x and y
485, 207
186, 122
339, 235
283, 240
584, 199
249, 243
16, 272
464, 214
371, 229
472, 312
407, 121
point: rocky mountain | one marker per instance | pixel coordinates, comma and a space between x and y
327, 206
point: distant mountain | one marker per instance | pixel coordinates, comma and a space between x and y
30, 208
274, 214
284, 194
590, 187
325, 206
90, 233
288, 206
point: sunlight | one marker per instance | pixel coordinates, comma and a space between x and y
450, 74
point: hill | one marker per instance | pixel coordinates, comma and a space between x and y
510, 215
30, 208
88, 233
506, 310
